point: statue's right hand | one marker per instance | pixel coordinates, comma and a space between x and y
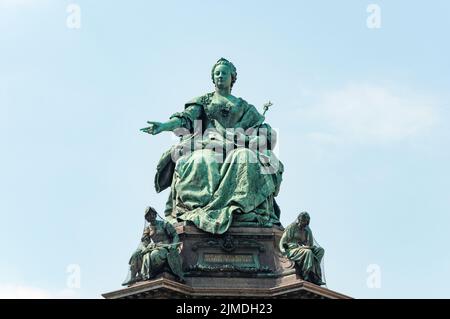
154, 128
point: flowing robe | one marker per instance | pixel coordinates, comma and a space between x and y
222, 179
298, 246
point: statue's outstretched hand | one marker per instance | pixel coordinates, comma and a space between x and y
154, 128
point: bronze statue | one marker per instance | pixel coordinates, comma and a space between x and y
297, 243
229, 173
159, 248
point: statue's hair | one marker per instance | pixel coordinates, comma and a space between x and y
149, 210
223, 61
304, 214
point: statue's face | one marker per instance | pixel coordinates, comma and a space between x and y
303, 221
222, 76
151, 217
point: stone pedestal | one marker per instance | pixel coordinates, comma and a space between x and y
243, 263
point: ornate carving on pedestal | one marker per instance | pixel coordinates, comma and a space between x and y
228, 253
228, 243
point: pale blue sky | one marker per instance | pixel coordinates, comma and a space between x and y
363, 118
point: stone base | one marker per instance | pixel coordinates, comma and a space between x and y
243, 263
165, 287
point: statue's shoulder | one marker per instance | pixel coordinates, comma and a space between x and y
251, 116
243, 101
202, 100
248, 107
160, 223
291, 227
167, 225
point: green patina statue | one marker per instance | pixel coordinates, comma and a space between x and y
224, 170
297, 243
159, 247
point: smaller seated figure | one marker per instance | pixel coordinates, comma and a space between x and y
297, 244
159, 248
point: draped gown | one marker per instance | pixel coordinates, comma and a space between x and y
234, 183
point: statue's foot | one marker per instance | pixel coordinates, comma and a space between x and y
130, 282
149, 277
319, 283
322, 283
313, 278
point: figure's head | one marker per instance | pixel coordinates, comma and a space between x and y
303, 219
150, 214
223, 74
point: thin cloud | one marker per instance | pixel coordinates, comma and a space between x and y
18, 291
369, 114
21, 3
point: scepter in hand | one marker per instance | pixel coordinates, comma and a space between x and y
266, 107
